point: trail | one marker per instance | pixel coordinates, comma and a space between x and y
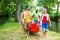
19, 35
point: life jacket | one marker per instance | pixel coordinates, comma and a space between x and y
45, 18
27, 16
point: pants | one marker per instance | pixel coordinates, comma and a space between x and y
36, 21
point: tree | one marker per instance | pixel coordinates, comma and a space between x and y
17, 18
56, 17
7, 7
47, 3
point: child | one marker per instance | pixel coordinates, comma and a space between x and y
45, 18
36, 17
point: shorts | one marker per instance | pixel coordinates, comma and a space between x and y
27, 26
36, 21
44, 27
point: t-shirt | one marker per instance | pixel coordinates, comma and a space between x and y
36, 16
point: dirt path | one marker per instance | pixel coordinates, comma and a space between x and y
38, 36
19, 35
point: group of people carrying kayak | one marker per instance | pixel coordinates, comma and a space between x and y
43, 20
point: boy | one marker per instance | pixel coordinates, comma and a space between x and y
35, 17
45, 18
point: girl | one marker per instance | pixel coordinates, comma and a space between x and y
27, 19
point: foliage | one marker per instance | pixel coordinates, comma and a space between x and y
7, 6
45, 3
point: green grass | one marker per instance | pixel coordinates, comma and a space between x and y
9, 29
10, 25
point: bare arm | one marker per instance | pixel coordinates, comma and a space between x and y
49, 20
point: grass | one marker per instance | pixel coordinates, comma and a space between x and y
13, 30
9, 29
9, 26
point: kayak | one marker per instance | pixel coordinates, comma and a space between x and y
34, 27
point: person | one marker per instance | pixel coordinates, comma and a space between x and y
27, 19
22, 18
35, 17
45, 18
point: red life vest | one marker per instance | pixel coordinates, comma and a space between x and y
44, 19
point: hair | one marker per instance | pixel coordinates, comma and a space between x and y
46, 9
36, 11
27, 6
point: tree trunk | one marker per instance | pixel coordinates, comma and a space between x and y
17, 16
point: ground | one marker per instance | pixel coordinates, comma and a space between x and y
13, 31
